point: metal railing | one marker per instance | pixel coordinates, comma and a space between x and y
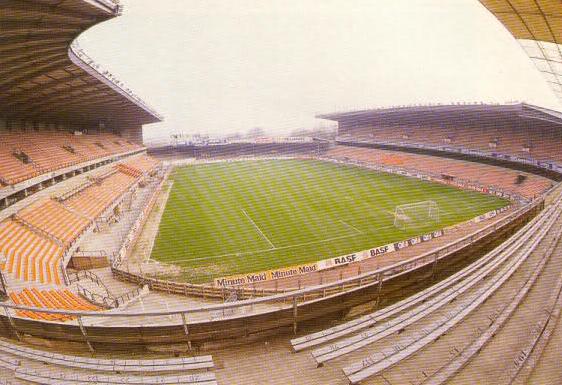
90, 253
209, 291
294, 298
109, 301
138, 225
81, 274
87, 274
279, 305
128, 297
95, 298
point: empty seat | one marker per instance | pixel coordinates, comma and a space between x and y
50, 299
56, 220
29, 255
27, 154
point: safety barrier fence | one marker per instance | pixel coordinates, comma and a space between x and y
209, 291
362, 279
294, 297
237, 318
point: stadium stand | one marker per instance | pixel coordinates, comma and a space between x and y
449, 301
41, 233
108, 365
140, 166
66, 116
469, 171
538, 145
30, 256
49, 299
418, 339
28, 154
55, 219
516, 132
93, 201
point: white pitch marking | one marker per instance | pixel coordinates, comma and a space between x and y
352, 227
385, 227
263, 250
259, 230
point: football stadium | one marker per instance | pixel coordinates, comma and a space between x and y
420, 245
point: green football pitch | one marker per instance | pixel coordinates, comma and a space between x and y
229, 218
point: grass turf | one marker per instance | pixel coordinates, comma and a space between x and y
229, 218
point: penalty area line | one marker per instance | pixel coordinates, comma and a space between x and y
259, 230
264, 250
351, 227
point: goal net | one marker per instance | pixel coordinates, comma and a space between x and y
416, 214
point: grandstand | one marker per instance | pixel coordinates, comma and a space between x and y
518, 132
94, 290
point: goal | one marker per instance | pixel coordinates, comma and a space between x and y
416, 214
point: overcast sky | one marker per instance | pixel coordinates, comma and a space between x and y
220, 67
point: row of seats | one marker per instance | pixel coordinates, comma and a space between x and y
138, 167
57, 377
109, 365
536, 143
28, 255
55, 219
13, 170
505, 179
34, 240
24, 155
94, 200
448, 301
50, 299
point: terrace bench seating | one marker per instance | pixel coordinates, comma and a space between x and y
8, 362
59, 378
50, 299
29, 255
53, 150
414, 340
408, 310
109, 365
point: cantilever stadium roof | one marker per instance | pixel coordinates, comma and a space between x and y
450, 115
44, 77
537, 26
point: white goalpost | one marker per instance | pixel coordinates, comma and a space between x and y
416, 214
